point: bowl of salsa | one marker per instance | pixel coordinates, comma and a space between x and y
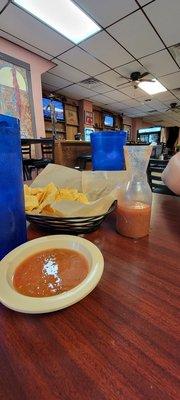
49, 273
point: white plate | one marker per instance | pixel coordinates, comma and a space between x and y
35, 305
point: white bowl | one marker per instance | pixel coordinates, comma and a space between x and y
34, 305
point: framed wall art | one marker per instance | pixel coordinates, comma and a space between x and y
16, 93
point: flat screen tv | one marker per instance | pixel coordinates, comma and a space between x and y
109, 120
59, 108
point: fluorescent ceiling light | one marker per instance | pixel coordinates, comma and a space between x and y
63, 16
152, 87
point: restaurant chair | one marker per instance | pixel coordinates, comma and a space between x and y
47, 151
154, 172
27, 161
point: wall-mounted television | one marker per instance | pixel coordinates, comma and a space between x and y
108, 120
59, 108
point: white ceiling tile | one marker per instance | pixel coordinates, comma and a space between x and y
116, 95
127, 69
25, 45
171, 81
118, 105
129, 110
103, 99
160, 63
131, 102
108, 12
2, 4
134, 93
22, 25
164, 96
143, 108
175, 51
107, 107
143, 2
176, 93
106, 49
65, 71
136, 114
98, 103
99, 87
76, 92
112, 78
136, 35
83, 61
54, 80
155, 104
166, 103
102, 88
165, 15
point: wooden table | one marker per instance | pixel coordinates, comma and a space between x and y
120, 342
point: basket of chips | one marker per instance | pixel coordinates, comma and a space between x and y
43, 209
65, 200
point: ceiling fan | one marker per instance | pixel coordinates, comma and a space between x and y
136, 77
173, 107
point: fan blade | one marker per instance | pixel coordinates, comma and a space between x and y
144, 74
146, 80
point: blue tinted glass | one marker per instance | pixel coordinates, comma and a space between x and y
107, 150
12, 215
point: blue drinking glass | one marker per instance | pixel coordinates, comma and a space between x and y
107, 150
12, 213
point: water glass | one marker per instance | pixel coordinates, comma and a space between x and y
107, 150
12, 214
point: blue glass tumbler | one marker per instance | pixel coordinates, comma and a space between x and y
12, 214
107, 150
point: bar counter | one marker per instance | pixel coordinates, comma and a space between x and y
67, 151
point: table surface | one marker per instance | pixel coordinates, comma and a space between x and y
121, 341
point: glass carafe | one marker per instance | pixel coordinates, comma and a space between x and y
134, 202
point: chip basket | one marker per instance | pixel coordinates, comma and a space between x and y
73, 225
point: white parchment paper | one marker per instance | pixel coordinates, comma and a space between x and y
99, 186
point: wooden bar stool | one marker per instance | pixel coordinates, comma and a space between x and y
82, 160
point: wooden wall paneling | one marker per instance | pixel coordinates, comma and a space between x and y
71, 131
71, 115
97, 119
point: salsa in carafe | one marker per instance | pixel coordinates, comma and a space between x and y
134, 203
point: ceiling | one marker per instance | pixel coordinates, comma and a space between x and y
136, 36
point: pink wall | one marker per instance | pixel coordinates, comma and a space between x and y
138, 123
38, 65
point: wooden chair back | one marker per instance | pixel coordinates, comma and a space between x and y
47, 150
26, 151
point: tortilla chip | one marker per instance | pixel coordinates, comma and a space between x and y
82, 198
27, 189
48, 199
48, 210
31, 202
35, 191
40, 200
